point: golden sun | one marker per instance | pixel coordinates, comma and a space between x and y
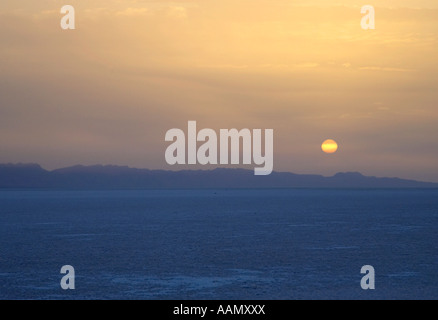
329, 146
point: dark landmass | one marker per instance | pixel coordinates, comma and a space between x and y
32, 176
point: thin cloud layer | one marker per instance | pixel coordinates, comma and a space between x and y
109, 90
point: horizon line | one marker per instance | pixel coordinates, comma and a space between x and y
24, 164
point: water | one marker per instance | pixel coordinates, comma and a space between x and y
219, 244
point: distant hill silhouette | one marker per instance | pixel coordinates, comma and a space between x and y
116, 177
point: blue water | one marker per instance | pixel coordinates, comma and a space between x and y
219, 244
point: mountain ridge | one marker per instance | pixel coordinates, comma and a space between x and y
33, 176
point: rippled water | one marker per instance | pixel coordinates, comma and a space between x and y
219, 244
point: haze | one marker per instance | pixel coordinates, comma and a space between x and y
107, 92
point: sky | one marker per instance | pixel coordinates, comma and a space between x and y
108, 91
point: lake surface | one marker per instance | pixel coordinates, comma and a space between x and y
219, 244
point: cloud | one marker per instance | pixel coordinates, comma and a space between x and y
307, 65
134, 69
388, 69
177, 12
133, 12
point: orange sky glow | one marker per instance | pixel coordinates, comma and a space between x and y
108, 91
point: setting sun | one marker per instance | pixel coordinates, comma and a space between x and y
329, 146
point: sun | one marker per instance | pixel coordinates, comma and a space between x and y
329, 146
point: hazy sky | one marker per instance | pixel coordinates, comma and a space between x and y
108, 91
